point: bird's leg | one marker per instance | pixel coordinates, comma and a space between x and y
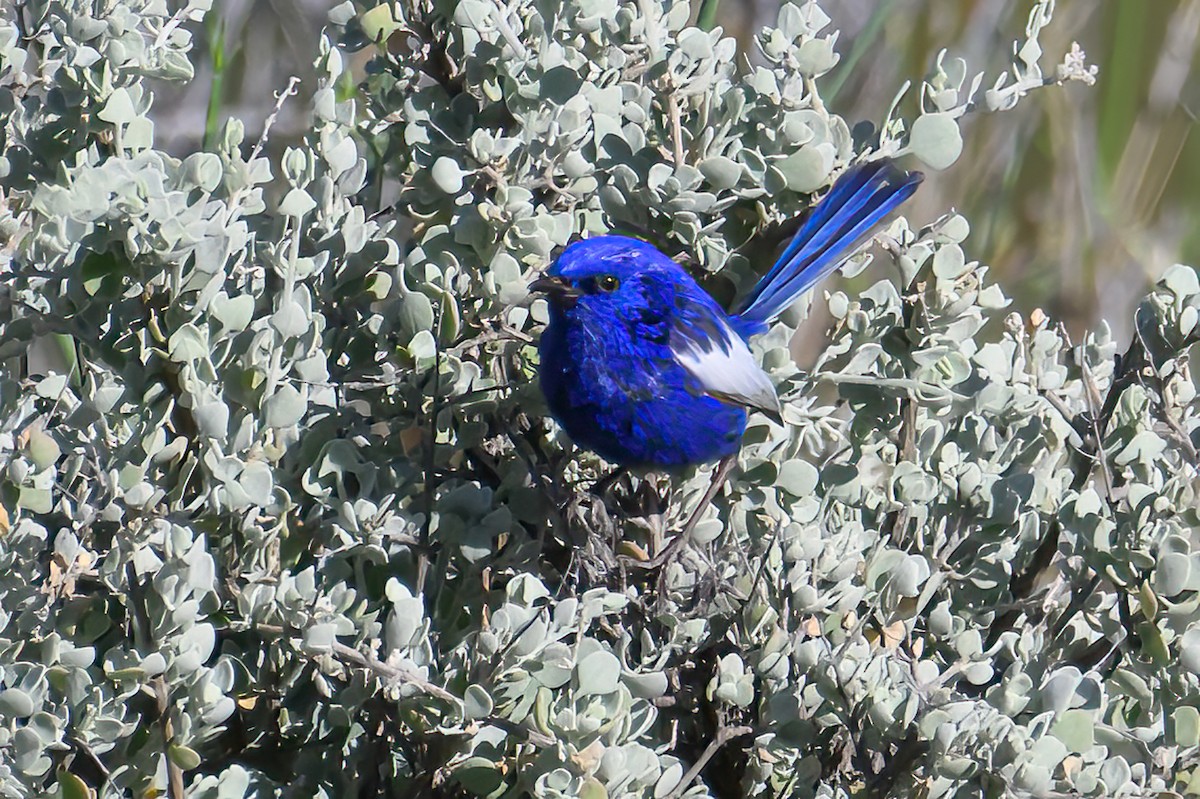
671, 551
601, 486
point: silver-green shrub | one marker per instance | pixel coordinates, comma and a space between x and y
280, 513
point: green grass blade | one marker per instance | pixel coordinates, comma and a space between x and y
216, 39
707, 17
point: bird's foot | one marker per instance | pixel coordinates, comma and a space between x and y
605, 483
671, 551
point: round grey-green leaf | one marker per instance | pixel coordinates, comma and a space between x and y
1187, 725
234, 313
184, 756
798, 478
1116, 774
15, 703
648, 685
936, 140
721, 172
204, 170
212, 418
1172, 573
1189, 650
1077, 729
479, 776
297, 203
71, 786
422, 346
188, 343
598, 673
910, 574
447, 175
35, 500
477, 703
285, 407
807, 169
949, 262
258, 482
290, 320
118, 109
416, 312
816, 57
43, 449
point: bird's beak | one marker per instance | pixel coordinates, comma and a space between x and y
559, 290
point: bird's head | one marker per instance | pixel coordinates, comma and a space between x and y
612, 274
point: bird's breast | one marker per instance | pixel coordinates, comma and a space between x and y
625, 396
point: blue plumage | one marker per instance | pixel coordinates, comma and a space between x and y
642, 366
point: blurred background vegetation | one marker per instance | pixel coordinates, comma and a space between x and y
1078, 200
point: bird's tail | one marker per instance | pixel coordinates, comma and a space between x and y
859, 199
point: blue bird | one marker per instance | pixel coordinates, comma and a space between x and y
642, 366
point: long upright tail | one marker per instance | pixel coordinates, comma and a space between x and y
859, 199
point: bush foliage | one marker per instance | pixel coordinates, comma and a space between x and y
281, 514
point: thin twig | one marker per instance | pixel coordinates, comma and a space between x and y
141, 615
233, 204
1022, 582
511, 727
915, 388
164, 33
1092, 393
908, 448
671, 550
387, 671
372, 663
269, 122
82, 748
1078, 600
429, 490
392, 672
1067, 415
162, 699
724, 736
506, 31
487, 337
1181, 436
900, 762
676, 127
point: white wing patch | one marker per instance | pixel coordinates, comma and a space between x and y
726, 369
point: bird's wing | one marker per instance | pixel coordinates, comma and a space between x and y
718, 358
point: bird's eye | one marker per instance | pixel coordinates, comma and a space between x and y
608, 283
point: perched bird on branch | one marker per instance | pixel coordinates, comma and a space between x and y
642, 366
